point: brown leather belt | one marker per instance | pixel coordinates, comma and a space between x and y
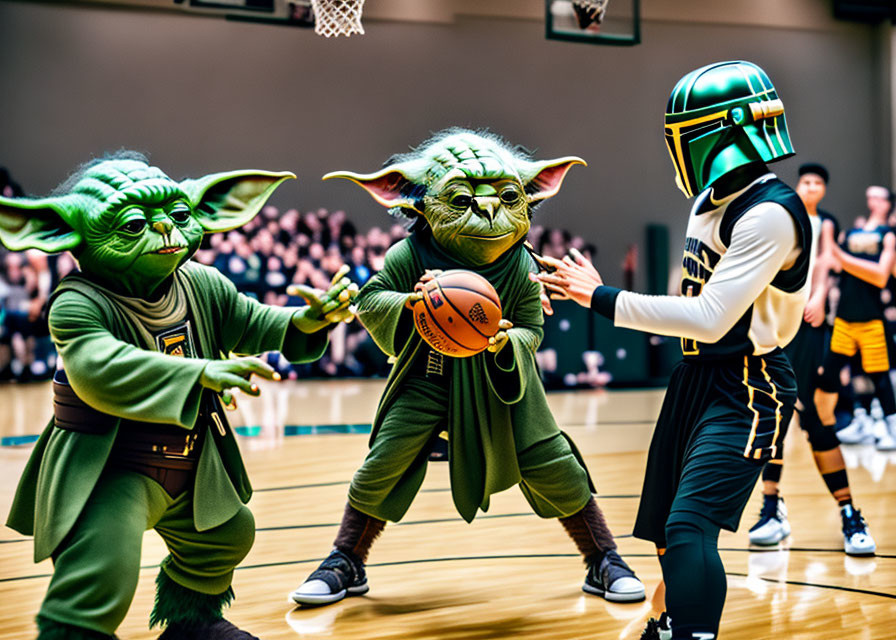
72, 414
166, 453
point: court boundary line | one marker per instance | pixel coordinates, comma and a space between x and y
524, 556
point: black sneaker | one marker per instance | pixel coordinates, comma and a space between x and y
613, 580
657, 629
339, 575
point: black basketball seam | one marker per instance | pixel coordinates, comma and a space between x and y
432, 316
459, 312
484, 295
497, 303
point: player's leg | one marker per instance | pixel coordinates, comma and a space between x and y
772, 526
193, 585
829, 459
97, 566
736, 434
556, 484
844, 345
876, 363
382, 489
715, 486
806, 355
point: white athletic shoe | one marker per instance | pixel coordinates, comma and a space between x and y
887, 441
859, 431
772, 526
857, 540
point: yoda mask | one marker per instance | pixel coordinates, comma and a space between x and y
474, 191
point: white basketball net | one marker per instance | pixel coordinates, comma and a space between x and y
337, 17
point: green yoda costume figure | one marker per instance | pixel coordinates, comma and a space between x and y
471, 197
138, 440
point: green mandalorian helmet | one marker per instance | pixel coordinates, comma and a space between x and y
720, 117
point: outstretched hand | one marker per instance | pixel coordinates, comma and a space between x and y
573, 278
325, 307
224, 375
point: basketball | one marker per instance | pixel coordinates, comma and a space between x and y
459, 312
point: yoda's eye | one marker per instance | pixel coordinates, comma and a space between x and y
510, 195
461, 201
133, 226
180, 214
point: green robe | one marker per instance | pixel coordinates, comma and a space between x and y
111, 370
497, 405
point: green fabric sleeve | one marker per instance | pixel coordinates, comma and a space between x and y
511, 368
381, 301
118, 378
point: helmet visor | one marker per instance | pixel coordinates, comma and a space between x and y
678, 138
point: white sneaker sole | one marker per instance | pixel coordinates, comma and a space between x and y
853, 551
327, 598
768, 542
632, 596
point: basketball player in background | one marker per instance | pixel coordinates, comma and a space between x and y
745, 283
868, 259
806, 354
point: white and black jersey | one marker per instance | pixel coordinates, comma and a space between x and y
745, 276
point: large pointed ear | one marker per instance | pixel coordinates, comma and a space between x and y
38, 224
391, 187
225, 201
543, 179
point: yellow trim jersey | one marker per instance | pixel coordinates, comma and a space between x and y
745, 275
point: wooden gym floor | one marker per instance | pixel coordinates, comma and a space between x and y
507, 575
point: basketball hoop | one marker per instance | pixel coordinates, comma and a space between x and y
337, 17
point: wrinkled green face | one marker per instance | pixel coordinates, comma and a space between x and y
477, 208
475, 191
138, 235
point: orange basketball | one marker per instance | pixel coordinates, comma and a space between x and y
459, 312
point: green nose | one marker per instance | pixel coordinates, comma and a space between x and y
163, 226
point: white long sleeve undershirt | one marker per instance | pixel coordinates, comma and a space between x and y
763, 241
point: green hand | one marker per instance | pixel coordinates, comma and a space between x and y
223, 375
325, 307
497, 342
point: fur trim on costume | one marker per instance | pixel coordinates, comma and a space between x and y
175, 604
357, 533
52, 630
589, 530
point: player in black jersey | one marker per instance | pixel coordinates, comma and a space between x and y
862, 429
745, 283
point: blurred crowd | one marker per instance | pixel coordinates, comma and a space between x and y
275, 249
